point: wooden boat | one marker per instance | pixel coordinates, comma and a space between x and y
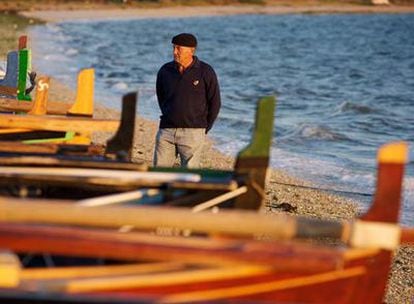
116, 150
89, 176
75, 127
16, 78
30, 129
196, 253
17, 73
82, 106
229, 256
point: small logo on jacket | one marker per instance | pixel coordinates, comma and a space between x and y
196, 82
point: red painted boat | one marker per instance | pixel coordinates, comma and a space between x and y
230, 256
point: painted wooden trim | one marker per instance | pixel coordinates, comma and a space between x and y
156, 279
9, 269
260, 143
395, 152
352, 254
386, 204
233, 222
84, 102
39, 105
48, 161
219, 199
267, 287
22, 42
407, 236
56, 123
375, 235
118, 198
13, 130
253, 161
24, 67
8, 85
8, 91
31, 274
126, 175
83, 105
133, 246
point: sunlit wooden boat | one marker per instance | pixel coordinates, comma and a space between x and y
15, 80
88, 177
41, 129
82, 106
229, 256
201, 252
67, 123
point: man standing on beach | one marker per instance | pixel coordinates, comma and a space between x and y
189, 98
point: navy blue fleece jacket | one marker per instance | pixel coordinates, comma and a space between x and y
190, 100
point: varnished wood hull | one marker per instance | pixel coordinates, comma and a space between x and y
182, 255
203, 270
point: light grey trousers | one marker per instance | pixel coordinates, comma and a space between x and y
184, 142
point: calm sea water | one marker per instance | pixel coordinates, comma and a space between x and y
344, 83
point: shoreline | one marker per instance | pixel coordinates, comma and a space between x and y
65, 15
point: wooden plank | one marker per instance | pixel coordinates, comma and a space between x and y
65, 161
118, 198
122, 175
13, 148
267, 287
219, 199
226, 222
17, 147
5, 90
153, 280
12, 131
13, 105
132, 246
95, 271
233, 222
56, 123
107, 182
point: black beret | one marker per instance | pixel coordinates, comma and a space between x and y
185, 39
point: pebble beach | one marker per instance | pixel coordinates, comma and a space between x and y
303, 200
